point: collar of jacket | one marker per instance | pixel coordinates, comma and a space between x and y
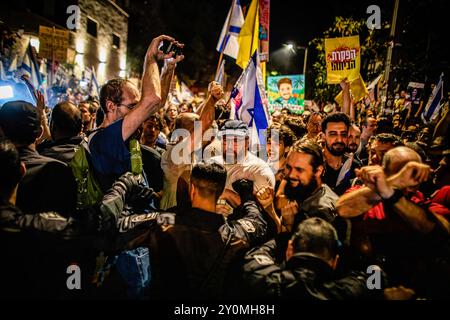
28, 153
304, 260
320, 196
201, 219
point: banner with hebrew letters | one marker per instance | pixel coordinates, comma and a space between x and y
343, 58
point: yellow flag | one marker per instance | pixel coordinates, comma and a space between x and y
339, 99
358, 89
249, 36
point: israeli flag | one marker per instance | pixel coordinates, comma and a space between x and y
94, 88
30, 68
248, 96
228, 41
434, 103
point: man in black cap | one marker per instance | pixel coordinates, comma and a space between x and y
48, 183
240, 164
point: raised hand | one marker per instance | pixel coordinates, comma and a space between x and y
171, 63
345, 85
215, 90
153, 51
40, 102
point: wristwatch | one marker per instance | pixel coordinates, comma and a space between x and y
396, 196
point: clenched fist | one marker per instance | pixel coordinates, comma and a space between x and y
215, 90
288, 213
265, 196
375, 178
411, 175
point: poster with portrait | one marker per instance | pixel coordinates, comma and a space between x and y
343, 59
414, 92
286, 91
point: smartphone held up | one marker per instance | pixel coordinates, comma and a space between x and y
170, 46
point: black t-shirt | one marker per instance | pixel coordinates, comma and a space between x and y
331, 176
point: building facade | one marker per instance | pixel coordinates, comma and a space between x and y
99, 40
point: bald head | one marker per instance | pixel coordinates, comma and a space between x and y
397, 158
66, 121
186, 121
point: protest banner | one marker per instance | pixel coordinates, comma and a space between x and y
343, 59
286, 91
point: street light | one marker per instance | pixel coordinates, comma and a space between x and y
291, 46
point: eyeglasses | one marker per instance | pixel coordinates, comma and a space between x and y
129, 106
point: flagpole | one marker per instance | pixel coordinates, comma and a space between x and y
53, 54
225, 39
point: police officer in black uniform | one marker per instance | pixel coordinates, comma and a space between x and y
194, 252
308, 273
37, 249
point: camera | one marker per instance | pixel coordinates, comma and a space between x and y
168, 46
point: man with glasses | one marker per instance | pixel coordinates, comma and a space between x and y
114, 147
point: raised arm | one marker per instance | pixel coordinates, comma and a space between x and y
150, 91
378, 187
346, 96
40, 106
167, 75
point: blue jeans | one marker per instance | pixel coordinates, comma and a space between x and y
134, 268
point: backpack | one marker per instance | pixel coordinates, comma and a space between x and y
88, 189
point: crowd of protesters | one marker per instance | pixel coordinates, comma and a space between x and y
150, 200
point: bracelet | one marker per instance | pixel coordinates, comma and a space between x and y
396, 196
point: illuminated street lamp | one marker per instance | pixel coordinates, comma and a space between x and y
291, 46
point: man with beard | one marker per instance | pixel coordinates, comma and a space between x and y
308, 196
240, 164
339, 167
354, 141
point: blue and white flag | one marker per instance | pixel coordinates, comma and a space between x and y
30, 68
248, 96
94, 89
434, 103
13, 64
2, 72
220, 76
228, 41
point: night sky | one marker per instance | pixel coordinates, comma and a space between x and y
198, 24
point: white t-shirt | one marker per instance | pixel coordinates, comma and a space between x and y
252, 168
